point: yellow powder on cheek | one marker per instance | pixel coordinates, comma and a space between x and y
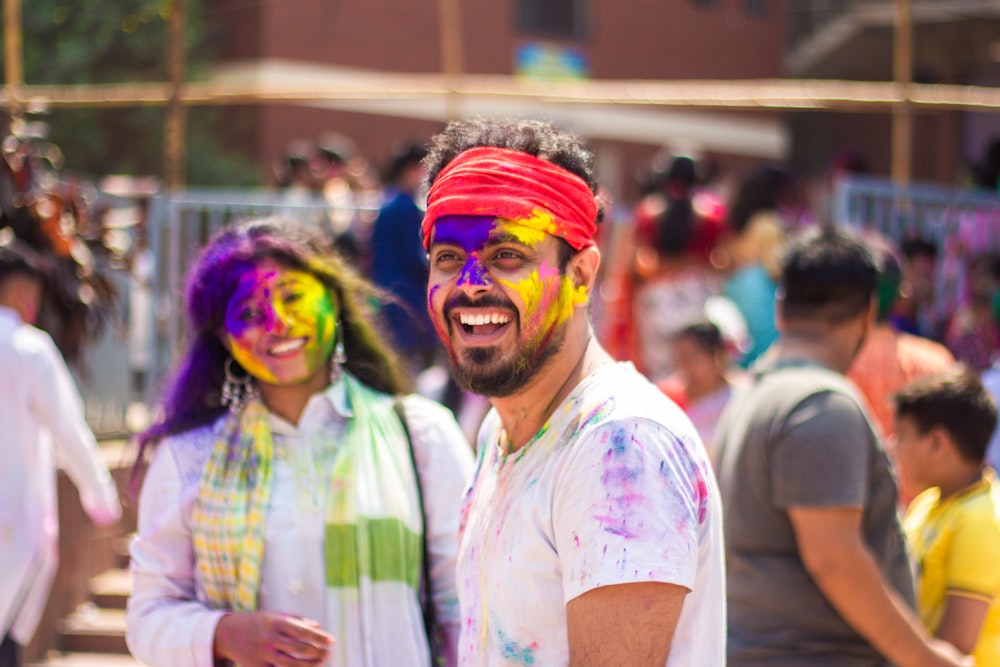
250, 362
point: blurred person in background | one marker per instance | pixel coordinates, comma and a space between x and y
817, 568
972, 334
41, 412
672, 278
943, 423
751, 255
889, 359
913, 311
706, 376
399, 261
991, 381
297, 502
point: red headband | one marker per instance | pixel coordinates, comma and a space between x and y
510, 184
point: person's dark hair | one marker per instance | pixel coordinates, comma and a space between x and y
918, 247
761, 190
540, 139
956, 401
706, 335
404, 157
828, 275
890, 274
192, 397
17, 260
675, 227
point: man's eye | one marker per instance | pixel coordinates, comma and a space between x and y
445, 258
508, 255
292, 297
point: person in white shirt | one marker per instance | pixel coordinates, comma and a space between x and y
42, 417
289, 516
592, 532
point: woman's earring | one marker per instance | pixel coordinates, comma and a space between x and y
237, 391
339, 357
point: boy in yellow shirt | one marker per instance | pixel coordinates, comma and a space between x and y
943, 424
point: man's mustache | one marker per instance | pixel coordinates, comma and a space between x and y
489, 301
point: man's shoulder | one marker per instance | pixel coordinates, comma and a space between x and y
622, 398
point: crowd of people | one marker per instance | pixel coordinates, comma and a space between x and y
699, 455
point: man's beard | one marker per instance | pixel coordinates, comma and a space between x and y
481, 371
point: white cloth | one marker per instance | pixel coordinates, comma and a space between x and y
615, 489
41, 414
168, 622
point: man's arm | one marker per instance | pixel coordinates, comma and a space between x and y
623, 624
962, 621
830, 544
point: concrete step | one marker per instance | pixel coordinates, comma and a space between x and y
58, 659
111, 588
91, 629
121, 550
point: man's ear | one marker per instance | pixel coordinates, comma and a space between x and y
941, 440
582, 268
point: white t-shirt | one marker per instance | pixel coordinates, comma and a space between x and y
615, 489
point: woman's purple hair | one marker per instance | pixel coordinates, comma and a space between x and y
192, 397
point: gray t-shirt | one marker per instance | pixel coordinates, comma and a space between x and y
798, 437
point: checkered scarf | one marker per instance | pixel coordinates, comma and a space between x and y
229, 512
373, 515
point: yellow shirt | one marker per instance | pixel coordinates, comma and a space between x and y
955, 543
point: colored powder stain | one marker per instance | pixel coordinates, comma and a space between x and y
510, 650
615, 526
473, 273
597, 414
618, 442
702, 497
576, 540
529, 231
533, 230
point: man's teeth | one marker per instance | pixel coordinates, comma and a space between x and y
490, 318
288, 346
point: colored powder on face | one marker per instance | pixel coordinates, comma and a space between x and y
311, 314
531, 231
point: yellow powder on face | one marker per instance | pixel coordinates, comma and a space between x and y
557, 309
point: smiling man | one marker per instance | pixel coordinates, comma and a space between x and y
592, 531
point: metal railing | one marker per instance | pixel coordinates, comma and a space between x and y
933, 213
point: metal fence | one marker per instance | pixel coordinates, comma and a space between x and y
962, 224
944, 216
179, 224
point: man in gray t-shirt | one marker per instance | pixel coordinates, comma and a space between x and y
817, 571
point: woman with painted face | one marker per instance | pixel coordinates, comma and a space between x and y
294, 491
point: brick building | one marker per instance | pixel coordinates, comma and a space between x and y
312, 40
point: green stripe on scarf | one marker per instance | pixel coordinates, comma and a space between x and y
400, 549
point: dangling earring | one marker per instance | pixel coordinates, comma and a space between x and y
339, 357
237, 391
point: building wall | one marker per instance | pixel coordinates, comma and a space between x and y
629, 39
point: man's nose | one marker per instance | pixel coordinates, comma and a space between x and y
474, 278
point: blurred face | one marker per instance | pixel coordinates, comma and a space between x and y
281, 325
498, 299
701, 371
911, 451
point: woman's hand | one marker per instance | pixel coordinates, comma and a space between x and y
264, 638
